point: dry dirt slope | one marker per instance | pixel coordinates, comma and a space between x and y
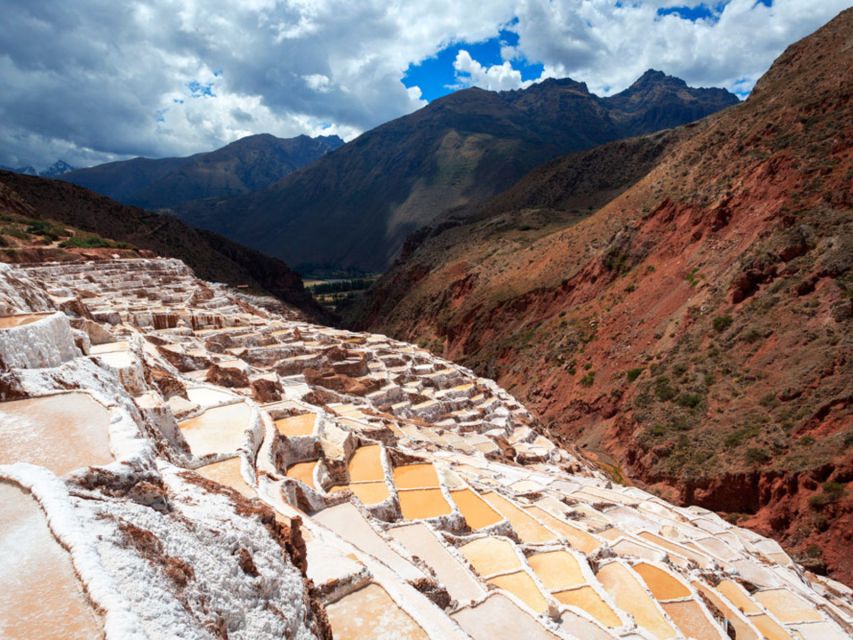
694, 331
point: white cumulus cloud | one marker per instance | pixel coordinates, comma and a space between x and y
498, 77
97, 80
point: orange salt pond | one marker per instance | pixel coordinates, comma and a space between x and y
586, 599
227, 473
303, 471
476, 511
742, 630
522, 586
40, 595
528, 529
423, 503
369, 493
371, 613
556, 569
489, 556
9, 322
699, 558
62, 432
787, 607
218, 430
738, 596
577, 538
630, 596
366, 464
301, 425
691, 620
415, 476
499, 618
664, 586
769, 628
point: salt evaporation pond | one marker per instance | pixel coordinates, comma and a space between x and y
557, 569
586, 599
218, 430
477, 513
227, 472
371, 613
369, 493
40, 595
303, 471
301, 425
366, 464
522, 586
8, 322
416, 504
61, 432
421, 542
662, 585
415, 476
630, 596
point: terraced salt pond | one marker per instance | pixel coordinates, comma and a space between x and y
366, 464
19, 320
415, 476
522, 586
786, 606
40, 595
742, 628
489, 556
630, 596
587, 599
527, 528
476, 511
217, 430
61, 432
421, 542
417, 504
369, 493
300, 425
227, 472
691, 620
499, 617
556, 569
662, 585
577, 538
303, 471
371, 613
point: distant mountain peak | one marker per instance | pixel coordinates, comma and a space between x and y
249, 164
57, 169
654, 77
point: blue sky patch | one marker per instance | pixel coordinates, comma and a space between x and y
696, 12
703, 10
436, 77
198, 90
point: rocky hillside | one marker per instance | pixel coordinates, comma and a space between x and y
31, 206
249, 164
355, 207
178, 463
687, 318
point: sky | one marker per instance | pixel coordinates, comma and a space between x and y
91, 81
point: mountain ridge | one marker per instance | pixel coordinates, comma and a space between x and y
354, 207
247, 164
